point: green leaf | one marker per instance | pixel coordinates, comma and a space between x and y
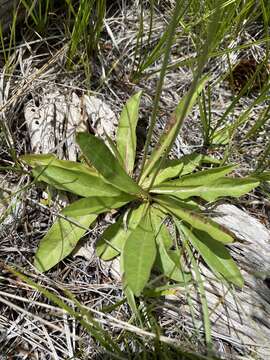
126, 134
167, 261
106, 164
155, 54
178, 167
171, 130
131, 300
112, 241
202, 177
44, 160
233, 187
82, 183
214, 253
174, 255
96, 204
221, 136
139, 255
113, 149
157, 218
175, 168
201, 292
65, 233
259, 123
264, 176
188, 213
77, 178
38, 159
60, 240
170, 266
170, 289
206, 159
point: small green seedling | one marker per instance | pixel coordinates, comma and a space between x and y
176, 189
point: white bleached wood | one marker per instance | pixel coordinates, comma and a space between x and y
53, 123
241, 318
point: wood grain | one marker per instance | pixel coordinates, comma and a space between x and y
239, 318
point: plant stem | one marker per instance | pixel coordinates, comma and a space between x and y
171, 33
212, 31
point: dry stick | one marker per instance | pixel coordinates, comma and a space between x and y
108, 320
50, 343
28, 313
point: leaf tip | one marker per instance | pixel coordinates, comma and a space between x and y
39, 264
80, 135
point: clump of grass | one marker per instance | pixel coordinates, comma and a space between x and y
84, 27
39, 13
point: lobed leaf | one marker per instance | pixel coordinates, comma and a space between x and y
65, 233
126, 134
189, 214
233, 187
99, 155
173, 168
214, 253
202, 177
139, 255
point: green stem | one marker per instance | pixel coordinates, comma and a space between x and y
171, 33
212, 30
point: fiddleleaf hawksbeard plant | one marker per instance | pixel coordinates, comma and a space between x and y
177, 189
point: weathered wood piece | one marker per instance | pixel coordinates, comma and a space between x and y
53, 123
239, 318
252, 249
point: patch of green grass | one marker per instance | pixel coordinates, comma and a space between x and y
85, 23
39, 13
